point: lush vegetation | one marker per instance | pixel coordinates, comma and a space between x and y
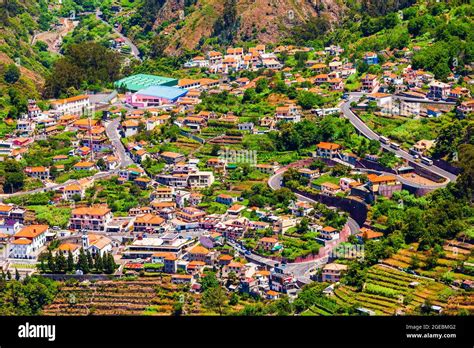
25, 297
85, 263
87, 65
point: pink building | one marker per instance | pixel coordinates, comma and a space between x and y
155, 96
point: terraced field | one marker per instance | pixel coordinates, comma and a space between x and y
454, 254
388, 290
464, 302
186, 145
150, 296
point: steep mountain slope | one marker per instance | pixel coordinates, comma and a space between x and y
18, 22
188, 24
262, 20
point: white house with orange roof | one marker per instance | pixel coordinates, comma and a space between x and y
234, 267
300, 208
84, 165
198, 253
384, 185
130, 127
329, 188
328, 150
466, 108
5, 210
65, 248
383, 100
328, 233
267, 168
72, 190
73, 106
288, 113
172, 157
148, 223
268, 243
332, 272
28, 241
207, 83
189, 83
39, 172
236, 209
96, 244
214, 57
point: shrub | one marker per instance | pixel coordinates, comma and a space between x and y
381, 291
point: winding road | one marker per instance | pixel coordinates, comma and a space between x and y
134, 49
111, 129
300, 270
370, 134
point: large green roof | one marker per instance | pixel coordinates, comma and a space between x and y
141, 81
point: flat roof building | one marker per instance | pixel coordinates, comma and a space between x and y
141, 81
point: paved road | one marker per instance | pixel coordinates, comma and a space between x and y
111, 129
370, 134
134, 49
300, 270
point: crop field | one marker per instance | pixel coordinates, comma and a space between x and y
145, 295
388, 291
453, 255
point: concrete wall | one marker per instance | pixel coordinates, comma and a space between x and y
356, 209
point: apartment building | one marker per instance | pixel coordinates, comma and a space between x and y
90, 218
72, 106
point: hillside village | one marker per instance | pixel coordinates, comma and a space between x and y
271, 168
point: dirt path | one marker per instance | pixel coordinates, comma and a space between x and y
54, 38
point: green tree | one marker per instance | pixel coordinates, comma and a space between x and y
12, 74
215, 299
109, 263
70, 262
14, 177
355, 275
51, 262
215, 150
61, 263
101, 164
42, 266
90, 260
82, 263
177, 308
209, 281
308, 100
234, 299
99, 265
414, 262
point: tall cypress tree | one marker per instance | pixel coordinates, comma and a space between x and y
90, 260
70, 261
82, 263
17, 274
99, 263
51, 263
109, 263
61, 263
